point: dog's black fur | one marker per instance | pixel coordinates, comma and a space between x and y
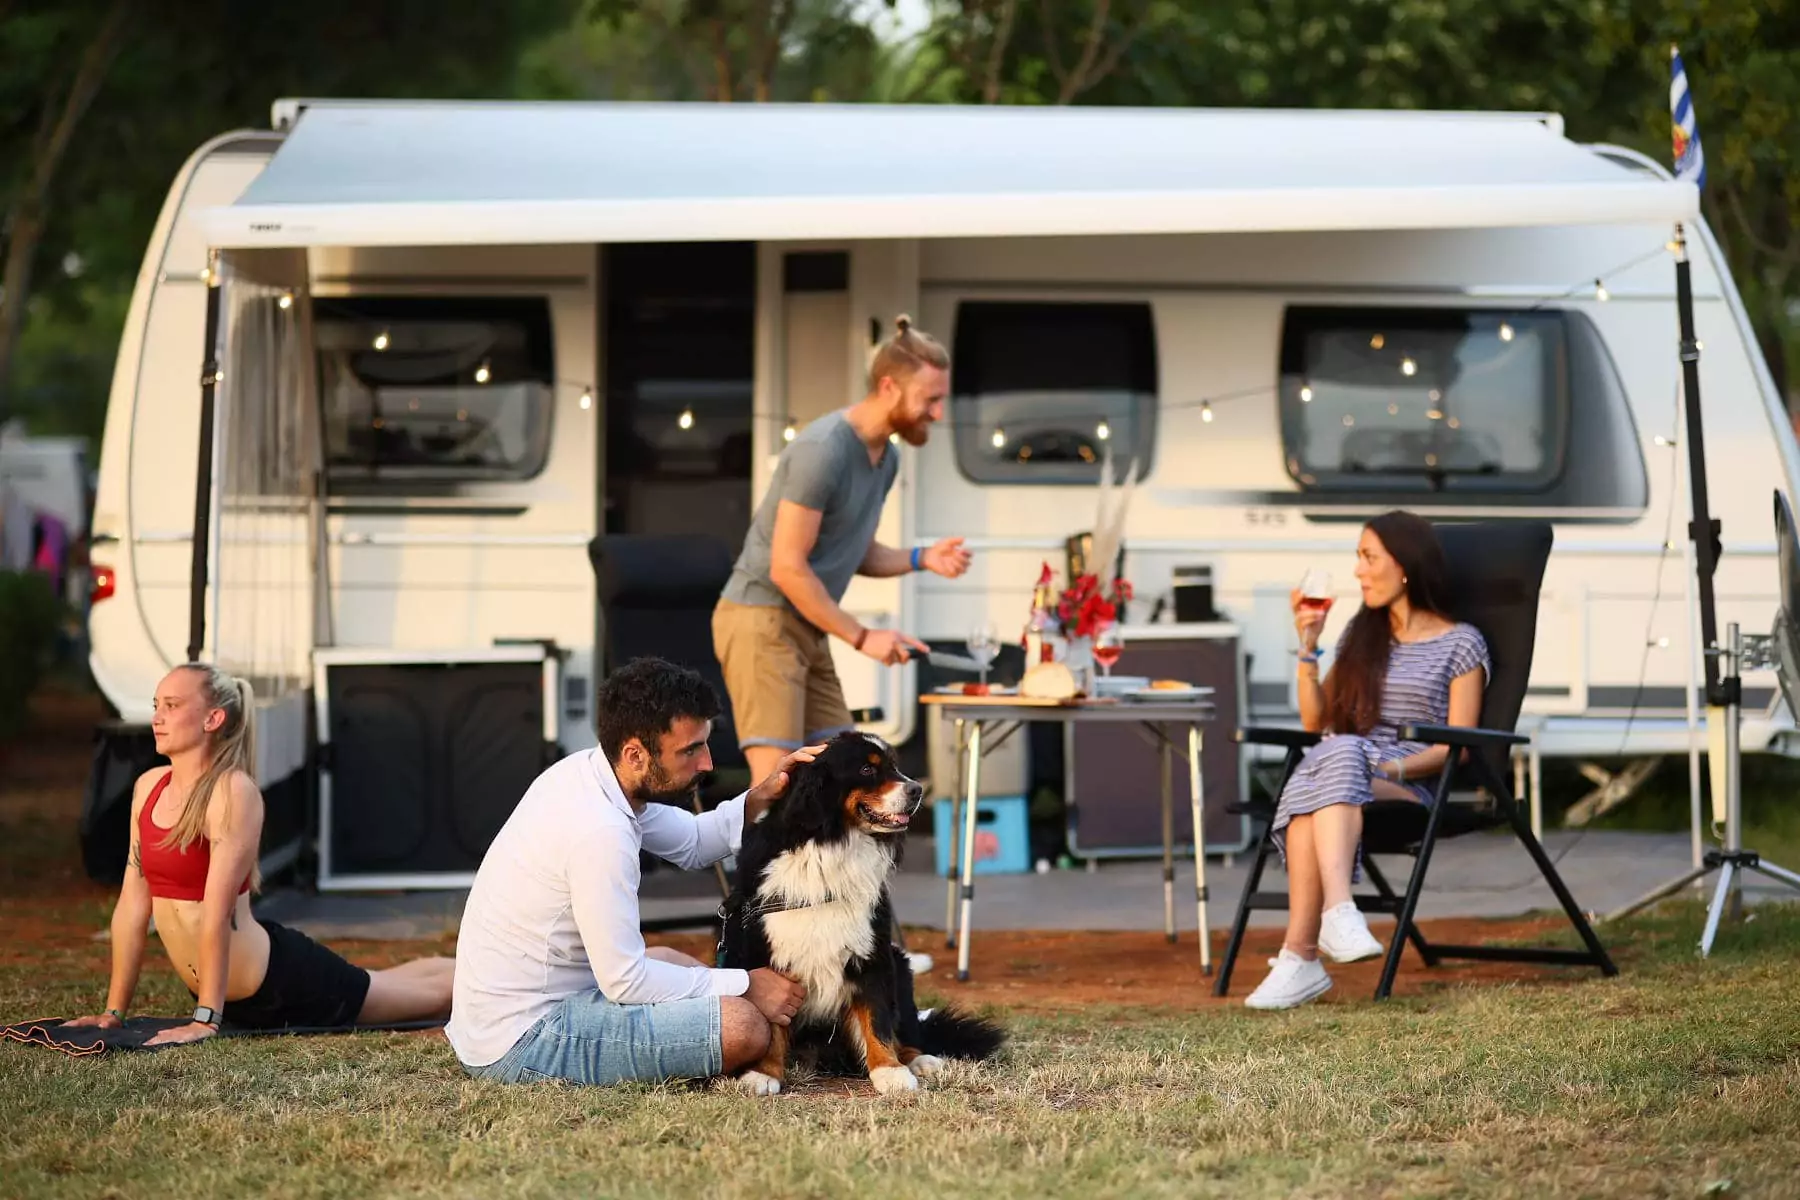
854, 789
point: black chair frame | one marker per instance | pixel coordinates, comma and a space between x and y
1442, 813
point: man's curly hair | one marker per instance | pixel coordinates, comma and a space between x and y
642, 700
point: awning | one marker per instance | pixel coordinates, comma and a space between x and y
423, 173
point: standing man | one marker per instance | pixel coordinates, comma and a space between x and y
553, 979
814, 530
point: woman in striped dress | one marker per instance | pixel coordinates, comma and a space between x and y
1400, 661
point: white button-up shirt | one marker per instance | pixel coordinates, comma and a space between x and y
554, 908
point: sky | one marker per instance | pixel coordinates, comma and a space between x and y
906, 18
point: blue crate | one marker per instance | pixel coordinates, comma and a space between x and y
1002, 835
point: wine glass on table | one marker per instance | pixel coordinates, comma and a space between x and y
984, 647
1109, 643
1315, 595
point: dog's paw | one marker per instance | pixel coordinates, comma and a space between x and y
889, 1080
926, 1065
758, 1084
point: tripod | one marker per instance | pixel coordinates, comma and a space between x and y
1733, 859
1724, 687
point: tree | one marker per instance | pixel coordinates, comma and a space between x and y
63, 95
717, 50
198, 69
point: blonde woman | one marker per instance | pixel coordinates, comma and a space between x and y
196, 826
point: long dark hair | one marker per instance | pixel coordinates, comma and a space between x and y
1353, 688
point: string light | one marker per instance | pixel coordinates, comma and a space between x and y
1103, 431
1408, 367
1306, 393
286, 302
381, 340
686, 419
1377, 342
1660, 440
999, 439
1600, 292
893, 439
1506, 332
587, 398
788, 432
483, 373
1206, 411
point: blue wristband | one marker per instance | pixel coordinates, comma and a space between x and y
916, 552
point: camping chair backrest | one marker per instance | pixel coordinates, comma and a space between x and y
656, 594
1497, 571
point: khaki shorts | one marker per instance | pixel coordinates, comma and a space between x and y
777, 667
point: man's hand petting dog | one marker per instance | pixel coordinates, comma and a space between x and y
758, 798
776, 996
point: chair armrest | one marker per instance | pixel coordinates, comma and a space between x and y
1461, 736
1271, 735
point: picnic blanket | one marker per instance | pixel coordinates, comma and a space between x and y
87, 1040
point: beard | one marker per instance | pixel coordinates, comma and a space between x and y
914, 432
659, 787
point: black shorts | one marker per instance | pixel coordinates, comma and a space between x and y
306, 986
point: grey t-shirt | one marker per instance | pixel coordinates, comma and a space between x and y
826, 467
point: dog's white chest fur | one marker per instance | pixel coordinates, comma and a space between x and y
815, 942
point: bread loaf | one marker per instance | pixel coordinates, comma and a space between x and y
1048, 681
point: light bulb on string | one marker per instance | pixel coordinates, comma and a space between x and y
587, 398
1600, 292
1408, 367
285, 302
1103, 431
789, 433
381, 340
1306, 393
483, 373
1206, 411
999, 439
686, 419
1506, 332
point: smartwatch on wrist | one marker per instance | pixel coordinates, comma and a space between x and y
206, 1016
918, 554
113, 1012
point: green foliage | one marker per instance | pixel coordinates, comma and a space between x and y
28, 619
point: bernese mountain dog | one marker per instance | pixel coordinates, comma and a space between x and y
812, 901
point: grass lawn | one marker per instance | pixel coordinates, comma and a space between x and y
1678, 1078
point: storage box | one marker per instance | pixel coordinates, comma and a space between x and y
1002, 835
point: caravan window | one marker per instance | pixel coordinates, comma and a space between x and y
1042, 390
1425, 400
425, 392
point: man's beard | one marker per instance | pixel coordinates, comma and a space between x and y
915, 432
658, 788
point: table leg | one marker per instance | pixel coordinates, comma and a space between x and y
1168, 831
1198, 798
953, 859
970, 805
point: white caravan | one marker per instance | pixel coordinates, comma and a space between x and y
458, 341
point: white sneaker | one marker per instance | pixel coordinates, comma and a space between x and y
1344, 935
1292, 982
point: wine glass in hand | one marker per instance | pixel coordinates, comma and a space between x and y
1312, 605
984, 647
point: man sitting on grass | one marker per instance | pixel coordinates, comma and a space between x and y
553, 979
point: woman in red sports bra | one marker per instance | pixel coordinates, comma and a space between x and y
196, 827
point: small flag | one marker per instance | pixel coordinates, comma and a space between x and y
1690, 160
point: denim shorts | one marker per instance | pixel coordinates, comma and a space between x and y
587, 1038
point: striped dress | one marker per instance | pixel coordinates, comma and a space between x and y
1416, 691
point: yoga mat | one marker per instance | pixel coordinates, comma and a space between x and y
87, 1040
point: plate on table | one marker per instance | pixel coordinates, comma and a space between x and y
1166, 695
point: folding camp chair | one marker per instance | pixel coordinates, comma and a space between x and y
1496, 571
